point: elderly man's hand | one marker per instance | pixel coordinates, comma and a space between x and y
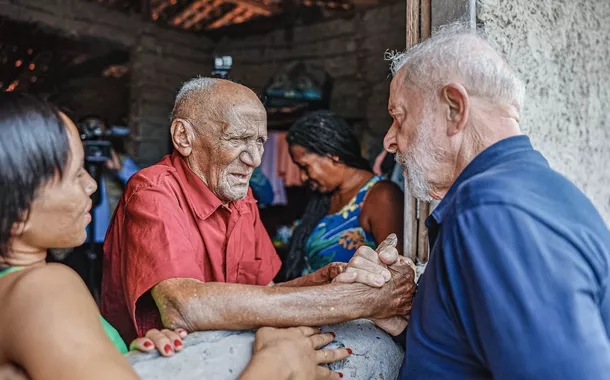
393, 304
369, 267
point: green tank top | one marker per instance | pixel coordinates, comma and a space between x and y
111, 332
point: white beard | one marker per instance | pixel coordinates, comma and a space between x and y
420, 159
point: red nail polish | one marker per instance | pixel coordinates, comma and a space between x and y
148, 344
177, 343
349, 351
168, 349
333, 334
340, 375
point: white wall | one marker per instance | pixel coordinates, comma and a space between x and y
561, 48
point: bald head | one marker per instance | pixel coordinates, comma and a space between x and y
219, 127
213, 100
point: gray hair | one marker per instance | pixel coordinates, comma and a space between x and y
199, 85
457, 52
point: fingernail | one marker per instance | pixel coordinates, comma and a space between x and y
333, 334
340, 375
182, 331
349, 351
386, 275
177, 343
379, 280
148, 344
168, 349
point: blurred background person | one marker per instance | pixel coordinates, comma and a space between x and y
349, 207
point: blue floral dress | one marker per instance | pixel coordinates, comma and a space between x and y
338, 236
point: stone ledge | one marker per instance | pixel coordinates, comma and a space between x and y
223, 355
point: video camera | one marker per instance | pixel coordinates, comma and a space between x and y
222, 66
97, 138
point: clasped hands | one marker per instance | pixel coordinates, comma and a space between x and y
388, 273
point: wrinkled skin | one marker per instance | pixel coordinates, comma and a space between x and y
398, 286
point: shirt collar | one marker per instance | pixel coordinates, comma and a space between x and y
490, 157
201, 199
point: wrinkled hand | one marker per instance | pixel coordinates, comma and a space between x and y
298, 350
369, 267
165, 341
395, 273
9, 371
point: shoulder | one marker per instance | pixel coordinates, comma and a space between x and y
33, 287
39, 293
384, 192
155, 177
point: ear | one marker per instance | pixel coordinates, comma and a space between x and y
18, 228
455, 97
182, 136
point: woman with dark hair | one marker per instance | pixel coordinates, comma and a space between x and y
350, 206
49, 325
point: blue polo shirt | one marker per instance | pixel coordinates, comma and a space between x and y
517, 282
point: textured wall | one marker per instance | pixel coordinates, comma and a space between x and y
561, 48
350, 49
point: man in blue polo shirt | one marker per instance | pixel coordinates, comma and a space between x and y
517, 284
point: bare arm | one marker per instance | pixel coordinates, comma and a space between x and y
195, 306
52, 329
382, 213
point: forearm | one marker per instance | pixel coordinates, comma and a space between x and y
311, 279
221, 306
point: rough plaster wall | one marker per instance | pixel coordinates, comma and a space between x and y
561, 48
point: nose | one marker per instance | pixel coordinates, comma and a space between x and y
389, 141
90, 185
252, 156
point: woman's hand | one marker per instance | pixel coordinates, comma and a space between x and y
165, 341
293, 354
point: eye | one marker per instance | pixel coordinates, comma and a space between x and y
261, 140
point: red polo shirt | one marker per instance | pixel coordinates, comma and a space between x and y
168, 224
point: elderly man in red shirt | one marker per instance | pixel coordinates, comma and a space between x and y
186, 247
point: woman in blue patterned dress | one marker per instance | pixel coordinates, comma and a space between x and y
350, 206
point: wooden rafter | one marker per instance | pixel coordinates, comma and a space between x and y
257, 7
189, 11
201, 15
238, 10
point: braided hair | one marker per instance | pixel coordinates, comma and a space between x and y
326, 134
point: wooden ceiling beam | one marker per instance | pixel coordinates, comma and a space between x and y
188, 12
257, 7
201, 15
227, 17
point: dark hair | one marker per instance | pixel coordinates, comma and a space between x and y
326, 134
33, 148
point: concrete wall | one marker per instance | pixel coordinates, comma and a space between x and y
159, 66
160, 59
350, 49
561, 48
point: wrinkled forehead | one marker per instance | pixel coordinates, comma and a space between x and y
243, 117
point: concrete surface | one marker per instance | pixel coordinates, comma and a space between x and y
561, 49
222, 355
